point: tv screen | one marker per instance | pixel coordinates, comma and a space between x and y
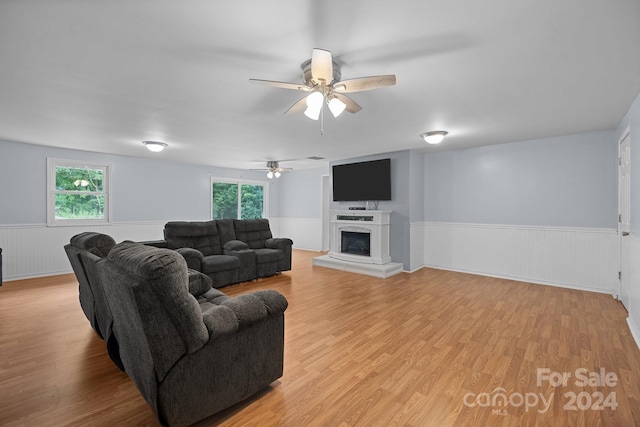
364, 181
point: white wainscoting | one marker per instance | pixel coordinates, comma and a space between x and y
578, 258
38, 250
306, 233
634, 288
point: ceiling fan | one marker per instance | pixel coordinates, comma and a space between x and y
273, 169
321, 76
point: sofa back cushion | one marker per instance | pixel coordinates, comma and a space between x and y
148, 291
226, 230
254, 232
99, 244
200, 235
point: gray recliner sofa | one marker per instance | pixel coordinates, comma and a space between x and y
194, 351
83, 250
229, 251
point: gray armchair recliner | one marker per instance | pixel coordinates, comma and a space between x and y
83, 251
191, 354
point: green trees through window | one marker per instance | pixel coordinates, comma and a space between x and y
237, 200
77, 192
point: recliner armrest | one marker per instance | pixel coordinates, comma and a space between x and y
274, 301
243, 311
278, 243
219, 320
193, 257
235, 245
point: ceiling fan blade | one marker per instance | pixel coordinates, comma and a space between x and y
351, 105
282, 85
322, 66
298, 106
364, 83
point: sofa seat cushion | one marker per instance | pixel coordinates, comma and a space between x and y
268, 255
218, 263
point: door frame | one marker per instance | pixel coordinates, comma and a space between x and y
623, 242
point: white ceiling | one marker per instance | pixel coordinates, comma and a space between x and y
105, 75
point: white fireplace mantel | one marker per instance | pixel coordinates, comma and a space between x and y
373, 222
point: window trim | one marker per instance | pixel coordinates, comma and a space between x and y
239, 182
52, 163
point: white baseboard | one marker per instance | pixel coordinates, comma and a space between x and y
635, 332
634, 288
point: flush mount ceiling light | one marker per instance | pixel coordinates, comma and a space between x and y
434, 137
154, 146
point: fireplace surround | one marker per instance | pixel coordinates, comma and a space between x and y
360, 243
363, 227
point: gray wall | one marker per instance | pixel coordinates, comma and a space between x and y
416, 187
300, 193
568, 181
141, 189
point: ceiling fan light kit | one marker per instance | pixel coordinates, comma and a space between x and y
321, 75
273, 169
336, 106
434, 137
314, 105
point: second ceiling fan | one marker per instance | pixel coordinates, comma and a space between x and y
322, 78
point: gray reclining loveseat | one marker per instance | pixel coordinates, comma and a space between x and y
229, 250
191, 351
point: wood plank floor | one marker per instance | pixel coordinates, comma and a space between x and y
432, 348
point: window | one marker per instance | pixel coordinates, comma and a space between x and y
77, 192
237, 199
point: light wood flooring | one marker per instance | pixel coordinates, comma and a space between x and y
432, 348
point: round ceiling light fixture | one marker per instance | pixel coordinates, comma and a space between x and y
154, 146
434, 137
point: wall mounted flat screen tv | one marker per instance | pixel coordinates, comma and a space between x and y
363, 181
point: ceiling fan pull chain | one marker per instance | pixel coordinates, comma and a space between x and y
322, 120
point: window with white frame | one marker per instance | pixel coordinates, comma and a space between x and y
77, 192
238, 199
